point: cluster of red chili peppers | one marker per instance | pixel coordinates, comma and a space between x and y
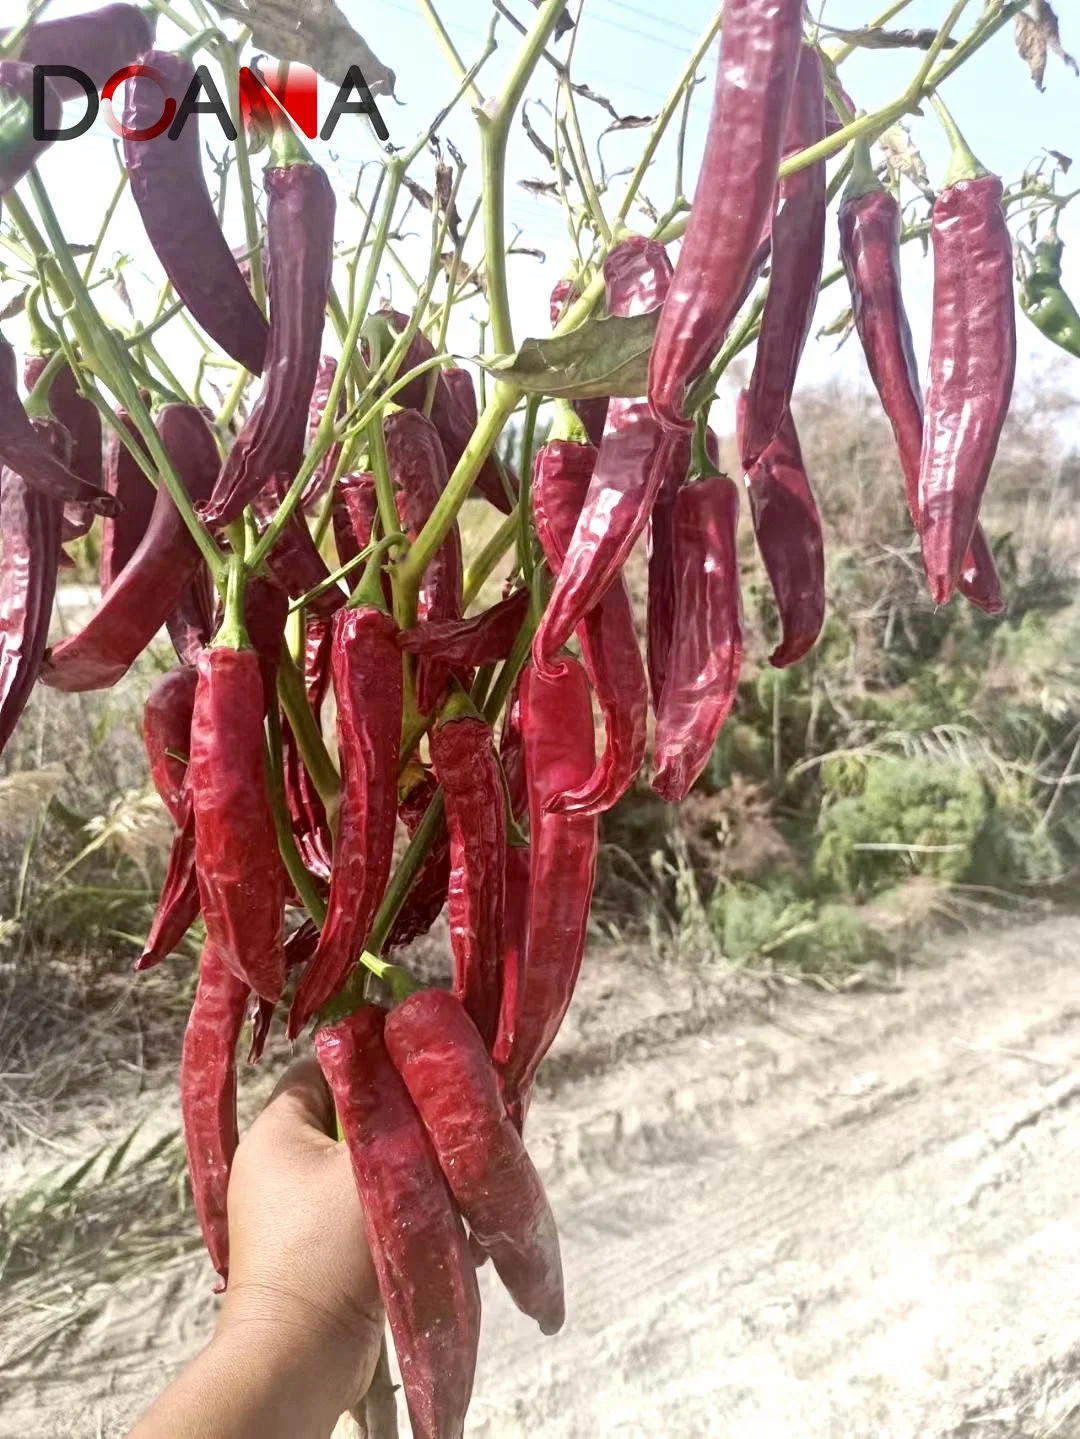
432, 1094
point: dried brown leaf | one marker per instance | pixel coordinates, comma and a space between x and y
313, 32
903, 158
1037, 36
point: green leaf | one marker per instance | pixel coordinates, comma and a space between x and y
608, 356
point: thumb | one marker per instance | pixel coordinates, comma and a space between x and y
301, 1102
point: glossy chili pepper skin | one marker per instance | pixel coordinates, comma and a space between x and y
208, 1097
870, 224
153, 580
486, 638
167, 736
417, 1242
972, 366
706, 647
1044, 301
300, 238
355, 506
787, 527
30, 522
241, 876
561, 484
435, 1048
368, 689
82, 420
466, 767
18, 148
798, 252
759, 52
98, 43
122, 535
181, 223
428, 892
629, 471
556, 721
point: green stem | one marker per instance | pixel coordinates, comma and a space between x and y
962, 163
106, 221
247, 188
309, 741
406, 872
233, 634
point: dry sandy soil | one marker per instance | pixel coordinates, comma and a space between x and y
835, 1217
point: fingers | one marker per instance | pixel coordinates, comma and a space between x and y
301, 1102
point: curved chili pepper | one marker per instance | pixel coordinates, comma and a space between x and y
19, 150
798, 253
702, 671
307, 813
630, 466
417, 1242
323, 477
30, 523
759, 52
1043, 298
122, 535
608, 639
427, 894
485, 639
367, 681
166, 732
556, 720
178, 904
300, 242
241, 876
99, 43
153, 580
181, 223
870, 224
208, 1097
434, 1046
190, 622
972, 364
591, 413
468, 771
787, 527
80, 417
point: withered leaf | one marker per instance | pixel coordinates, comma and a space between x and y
607, 356
876, 37
540, 187
319, 36
1037, 35
903, 158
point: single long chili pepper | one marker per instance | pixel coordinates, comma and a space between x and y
99, 43
630, 465
190, 622
427, 894
512, 755
208, 1097
759, 51
798, 252
870, 224
82, 420
556, 718
591, 413
972, 363
562, 477
122, 535
515, 951
30, 524
702, 672
153, 580
321, 480
23, 450
266, 610
468, 771
167, 735
484, 639
19, 149
178, 904
181, 223
417, 1242
367, 681
300, 242
1043, 298
295, 561
437, 1051
787, 527
241, 876
354, 507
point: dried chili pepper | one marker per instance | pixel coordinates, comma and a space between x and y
99, 42
367, 680
167, 736
591, 413
80, 417
208, 1097
427, 894
30, 522
556, 721
562, 477
181, 223
295, 561
153, 580
355, 506
190, 622
300, 241
323, 477
468, 771
1043, 298
417, 1242
437, 1051
512, 754
705, 656
515, 942
798, 252
787, 527
266, 609
972, 363
178, 904
19, 150
122, 535
630, 466
485, 639
759, 52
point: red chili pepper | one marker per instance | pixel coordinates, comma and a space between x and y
80, 417
208, 1097
178, 905
515, 952
354, 507
300, 241
561, 485
323, 477
787, 527
466, 767
153, 580
972, 364
30, 524
19, 150
702, 670
438, 1053
266, 609
167, 736
512, 755
427, 894
367, 680
190, 622
759, 51
870, 249
630, 466
485, 639
417, 1242
99, 42
121, 536
556, 719
591, 413
295, 561
798, 252
181, 223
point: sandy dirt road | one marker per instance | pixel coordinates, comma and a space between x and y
855, 1217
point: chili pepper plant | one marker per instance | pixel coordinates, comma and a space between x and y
298, 533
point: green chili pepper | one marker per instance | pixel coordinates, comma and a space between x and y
1044, 301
